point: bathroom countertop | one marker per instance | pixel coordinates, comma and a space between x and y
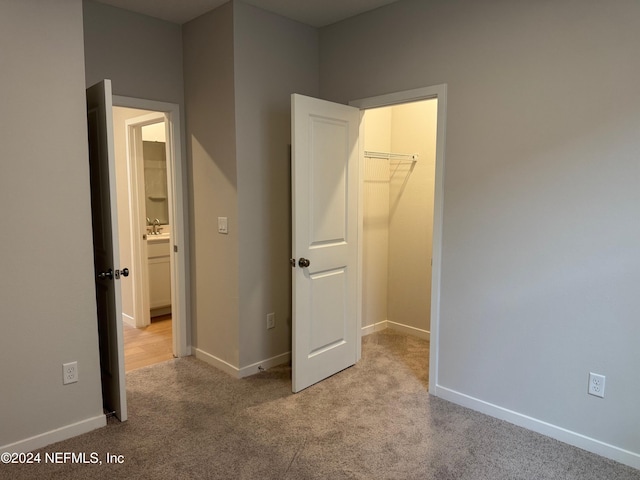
160, 238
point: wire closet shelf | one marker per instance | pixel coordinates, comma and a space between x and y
397, 158
407, 157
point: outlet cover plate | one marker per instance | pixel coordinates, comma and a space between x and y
596, 384
271, 320
69, 373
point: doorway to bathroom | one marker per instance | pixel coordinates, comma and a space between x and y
145, 150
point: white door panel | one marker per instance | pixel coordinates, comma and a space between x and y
325, 192
327, 329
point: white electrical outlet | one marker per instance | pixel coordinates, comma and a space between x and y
271, 320
69, 373
596, 384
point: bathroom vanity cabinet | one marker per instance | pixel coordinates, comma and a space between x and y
158, 249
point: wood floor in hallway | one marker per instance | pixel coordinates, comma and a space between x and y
149, 345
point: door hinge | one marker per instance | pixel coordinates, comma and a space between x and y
175, 249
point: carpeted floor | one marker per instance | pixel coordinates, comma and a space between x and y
372, 421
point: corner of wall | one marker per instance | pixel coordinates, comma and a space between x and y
210, 112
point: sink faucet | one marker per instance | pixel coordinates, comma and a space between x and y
156, 222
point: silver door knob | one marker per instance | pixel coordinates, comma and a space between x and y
106, 275
303, 263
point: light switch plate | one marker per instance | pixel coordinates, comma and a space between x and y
223, 225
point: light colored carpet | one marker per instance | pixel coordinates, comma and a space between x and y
372, 421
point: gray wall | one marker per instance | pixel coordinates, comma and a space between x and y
540, 249
142, 56
241, 65
211, 147
47, 290
274, 57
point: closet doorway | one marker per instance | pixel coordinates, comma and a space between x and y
401, 181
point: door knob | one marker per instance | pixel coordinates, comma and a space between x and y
106, 275
303, 263
124, 272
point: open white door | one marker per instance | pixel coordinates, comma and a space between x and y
325, 245
105, 247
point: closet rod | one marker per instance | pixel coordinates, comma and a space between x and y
396, 156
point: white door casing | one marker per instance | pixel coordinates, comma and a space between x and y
106, 253
325, 166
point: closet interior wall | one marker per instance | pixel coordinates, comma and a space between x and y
398, 218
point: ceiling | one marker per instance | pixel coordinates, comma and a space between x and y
316, 13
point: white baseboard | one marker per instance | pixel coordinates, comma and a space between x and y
129, 320
244, 371
399, 327
268, 363
407, 330
589, 444
376, 327
215, 361
57, 435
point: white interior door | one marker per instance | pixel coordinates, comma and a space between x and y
325, 245
105, 247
